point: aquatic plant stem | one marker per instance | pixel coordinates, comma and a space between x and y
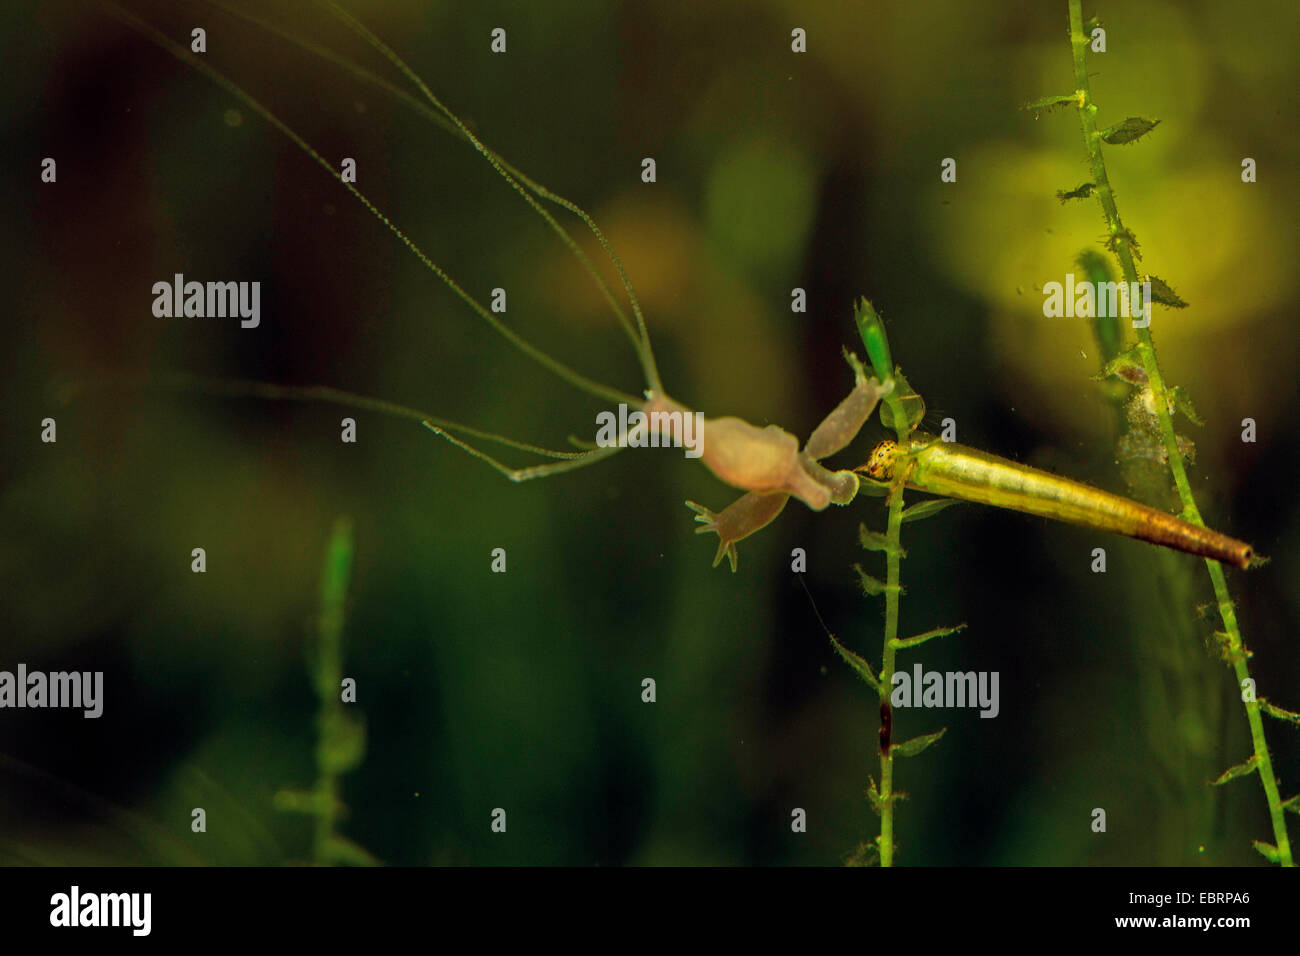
340, 738
892, 590
872, 331
1121, 244
328, 675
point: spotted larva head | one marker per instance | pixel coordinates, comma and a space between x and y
880, 465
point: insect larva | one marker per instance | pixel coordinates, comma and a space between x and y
946, 468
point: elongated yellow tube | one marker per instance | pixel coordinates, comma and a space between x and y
946, 468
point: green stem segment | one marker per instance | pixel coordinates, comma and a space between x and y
1121, 243
328, 677
893, 556
872, 331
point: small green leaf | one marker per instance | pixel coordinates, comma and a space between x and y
871, 487
1268, 851
1078, 192
861, 667
1045, 104
342, 742
1183, 403
873, 796
925, 509
875, 541
877, 801
1224, 646
871, 328
918, 639
910, 748
1293, 804
871, 587
1129, 131
1273, 710
866, 854
1229, 647
1163, 293
1240, 770
905, 401
1127, 366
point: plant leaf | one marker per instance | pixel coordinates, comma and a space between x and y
925, 509
871, 328
873, 796
1178, 399
1273, 710
865, 855
1129, 131
859, 665
906, 401
875, 541
869, 486
1126, 366
927, 636
1268, 851
910, 748
1045, 104
342, 743
1163, 293
871, 587
877, 801
1240, 770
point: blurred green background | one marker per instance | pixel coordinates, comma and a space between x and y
522, 690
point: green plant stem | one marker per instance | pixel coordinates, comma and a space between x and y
872, 331
328, 675
893, 557
1146, 351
